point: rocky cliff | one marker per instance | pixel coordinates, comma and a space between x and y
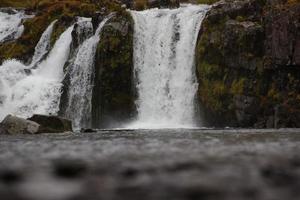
248, 64
247, 58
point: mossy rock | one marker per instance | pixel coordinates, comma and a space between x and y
113, 95
47, 11
234, 69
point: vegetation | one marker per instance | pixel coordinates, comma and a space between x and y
45, 12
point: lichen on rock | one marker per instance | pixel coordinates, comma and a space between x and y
247, 66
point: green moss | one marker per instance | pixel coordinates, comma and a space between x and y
237, 86
47, 11
113, 96
241, 18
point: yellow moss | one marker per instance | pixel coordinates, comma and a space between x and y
46, 11
273, 93
140, 4
212, 94
237, 86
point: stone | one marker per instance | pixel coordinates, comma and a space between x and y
52, 124
16, 125
246, 109
247, 59
113, 95
2, 130
282, 31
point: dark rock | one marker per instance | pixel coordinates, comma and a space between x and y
52, 124
283, 38
15, 125
88, 130
142, 5
250, 49
287, 115
2, 130
270, 122
246, 109
97, 18
113, 93
82, 30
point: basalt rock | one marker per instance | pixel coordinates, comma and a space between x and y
15, 125
52, 124
146, 4
113, 93
248, 66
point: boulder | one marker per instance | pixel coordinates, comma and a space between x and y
52, 124
16, 125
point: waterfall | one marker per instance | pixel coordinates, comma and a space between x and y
43, 45
25, 92
164, 50
11, 26
81, 80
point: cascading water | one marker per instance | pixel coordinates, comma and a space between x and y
25, 92
81, 80
11, 26
164, 45
43, 46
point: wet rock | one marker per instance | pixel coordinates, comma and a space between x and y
97, 18
142, 5
82, 30
246, 109
250, 49
2, 130
15, 125
286, 115
52, 124
113, 94
88, 130
283, 38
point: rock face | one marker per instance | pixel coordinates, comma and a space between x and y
16, 125
146, 4
51, 124
248, 64
113, 93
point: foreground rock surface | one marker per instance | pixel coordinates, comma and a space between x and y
15, 125
52, 124
152, 165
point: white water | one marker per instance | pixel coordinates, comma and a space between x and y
11, 26
81, 81
164, 45
43, 46
38, 90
